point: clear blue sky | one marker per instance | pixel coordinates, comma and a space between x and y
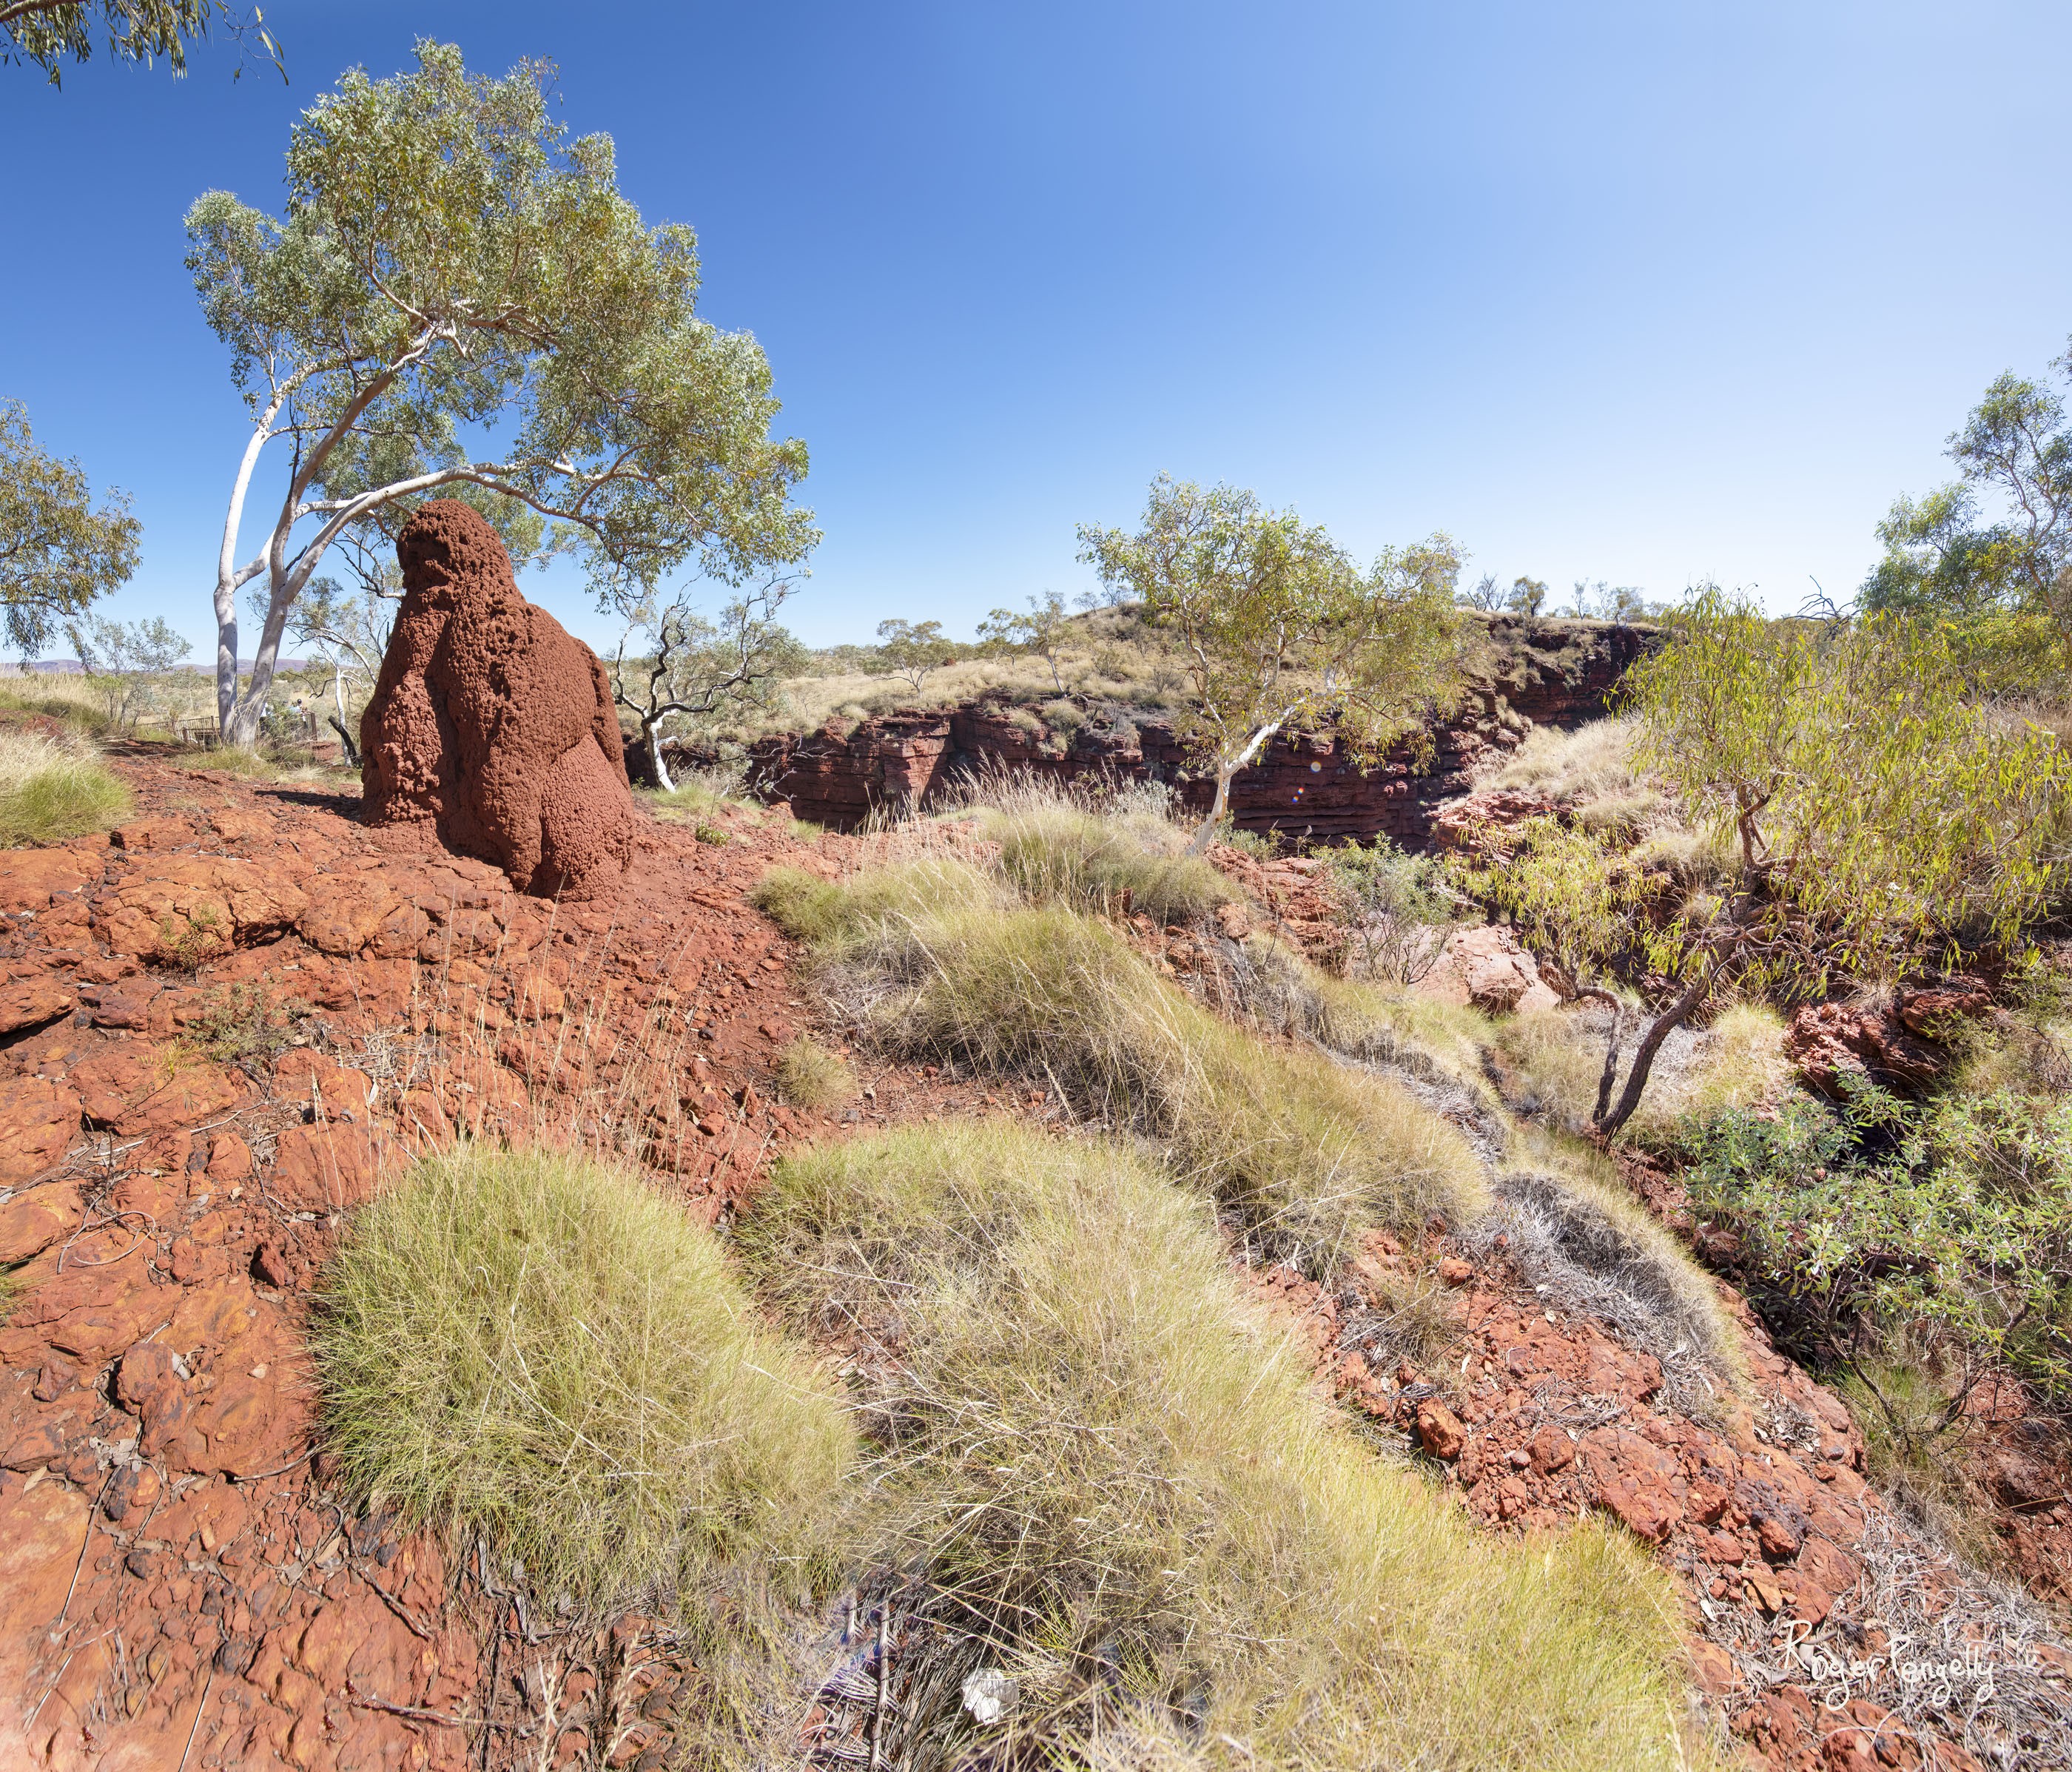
1632, 292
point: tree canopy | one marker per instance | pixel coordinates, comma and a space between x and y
1277, 627
1947, 556
57, 551
1879, 813
49, 33
457, 302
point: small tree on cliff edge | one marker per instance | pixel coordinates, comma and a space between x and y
1875, 809
696, 668
458, 297
1277, 628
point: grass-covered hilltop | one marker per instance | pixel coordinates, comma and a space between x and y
1289, 1162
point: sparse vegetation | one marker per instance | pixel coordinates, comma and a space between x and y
241, 1024
52, 790
539, 1347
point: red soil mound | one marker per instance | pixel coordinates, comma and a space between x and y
491, 727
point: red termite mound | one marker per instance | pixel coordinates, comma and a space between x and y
491, 725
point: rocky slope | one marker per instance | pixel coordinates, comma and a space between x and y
222, 1029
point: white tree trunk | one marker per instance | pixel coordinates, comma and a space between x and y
655, 756
227, 575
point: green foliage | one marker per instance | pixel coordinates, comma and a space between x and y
1042, 630
1108, 1478
544, 1349
1277, 627
51, 791
57, 553
1874, 1215
49, 32
450, 267
1398, 909
123, 659
1527, 597
1860, 781
915, 650
1945, 559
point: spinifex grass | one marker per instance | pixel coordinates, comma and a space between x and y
543, 1348
53, 789
1099, 1472
1309, 1154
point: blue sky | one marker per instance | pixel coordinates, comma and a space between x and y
1631, 292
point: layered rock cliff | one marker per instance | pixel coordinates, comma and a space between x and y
1532, 671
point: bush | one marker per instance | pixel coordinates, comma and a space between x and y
1398, 908
1102, 1474
1310, 1155
51, 791
539, 1347
809, 1075
1860, 1220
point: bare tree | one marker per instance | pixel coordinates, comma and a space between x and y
694, 669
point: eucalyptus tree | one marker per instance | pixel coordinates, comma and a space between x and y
457, 301
1277, 627
49, 33
1042, 629
57, 551
1951, 555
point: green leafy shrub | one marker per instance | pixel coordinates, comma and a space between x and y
1398, 909
1859, 1219
542, 1348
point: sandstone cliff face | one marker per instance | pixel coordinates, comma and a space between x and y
1536, 672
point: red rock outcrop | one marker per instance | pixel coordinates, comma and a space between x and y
1536, 672
1826, 1041
491, 726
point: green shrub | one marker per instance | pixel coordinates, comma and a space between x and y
1397, 909
542, 1348
1858, 1220
809, 1075
1104, 1476
51, 791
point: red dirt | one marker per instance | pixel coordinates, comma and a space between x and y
491, 731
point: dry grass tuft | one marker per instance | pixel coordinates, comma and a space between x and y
809, 1075
1109, 858
1100, 1473
54, 789
1591, 762
540, 1347
929, 962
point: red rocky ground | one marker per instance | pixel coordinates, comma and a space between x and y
178, 1581
220, 1028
